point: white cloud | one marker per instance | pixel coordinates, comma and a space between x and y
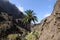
46, 15
21, 8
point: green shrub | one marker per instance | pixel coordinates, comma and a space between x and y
31, 36
12, 36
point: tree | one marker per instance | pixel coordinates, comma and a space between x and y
29, 17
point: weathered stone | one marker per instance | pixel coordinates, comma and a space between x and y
10, 20
49, 28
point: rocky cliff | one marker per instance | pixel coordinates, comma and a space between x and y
10, 8
8, 26
10, 20
49, 28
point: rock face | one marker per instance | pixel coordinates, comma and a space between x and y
8, 26
10, 20
49, 28
10, 8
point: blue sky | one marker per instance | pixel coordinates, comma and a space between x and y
42, 8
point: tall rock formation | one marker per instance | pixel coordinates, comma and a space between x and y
10, 20
10, 8
49, 28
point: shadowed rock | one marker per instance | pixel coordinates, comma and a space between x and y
10, 20
10, 9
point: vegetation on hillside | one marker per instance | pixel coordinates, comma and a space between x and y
31, 36
10, 29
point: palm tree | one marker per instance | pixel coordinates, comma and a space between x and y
29, 17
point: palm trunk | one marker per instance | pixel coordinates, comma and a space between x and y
29, 26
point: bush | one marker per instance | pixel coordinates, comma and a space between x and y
13, 36
31, 36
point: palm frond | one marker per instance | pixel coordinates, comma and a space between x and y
29, 16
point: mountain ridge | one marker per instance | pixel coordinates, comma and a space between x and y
49, 28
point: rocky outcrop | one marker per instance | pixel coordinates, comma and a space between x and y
10, 20
10, 8
8, 25
49, 28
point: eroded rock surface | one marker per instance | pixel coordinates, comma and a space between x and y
49, 28
10, 20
